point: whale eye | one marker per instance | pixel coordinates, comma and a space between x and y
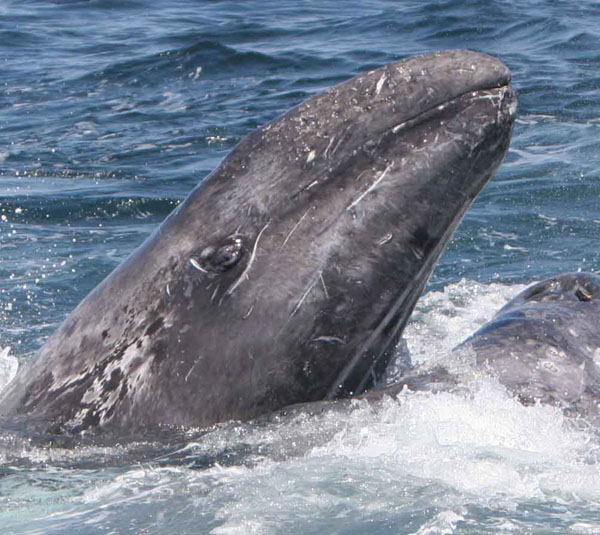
228, 255
218, 259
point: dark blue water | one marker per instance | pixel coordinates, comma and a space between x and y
111, 111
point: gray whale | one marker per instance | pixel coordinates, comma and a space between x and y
289, 273
544, 345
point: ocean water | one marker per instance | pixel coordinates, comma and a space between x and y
111, 111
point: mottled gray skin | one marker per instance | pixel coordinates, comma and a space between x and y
544, 345
289, 273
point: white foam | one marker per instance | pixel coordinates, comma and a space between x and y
8, 367
442, 320
456, 450
444, 523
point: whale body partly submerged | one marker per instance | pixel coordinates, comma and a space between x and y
543, 346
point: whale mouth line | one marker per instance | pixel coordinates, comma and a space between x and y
494, 92
499, 93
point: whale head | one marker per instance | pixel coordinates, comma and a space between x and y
288, 274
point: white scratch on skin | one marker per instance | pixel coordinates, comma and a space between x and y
386, 239
323, 284
371, 187
247, 314
187, 376
329, 146
337, 146
399, 127
488, 97
195, 264
328, 339
295, 227
311, 185
304, 296
214, 294
361, 175
418, 253
380, 84
311, 156
244, 274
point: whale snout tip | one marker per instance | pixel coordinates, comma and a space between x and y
490, 67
